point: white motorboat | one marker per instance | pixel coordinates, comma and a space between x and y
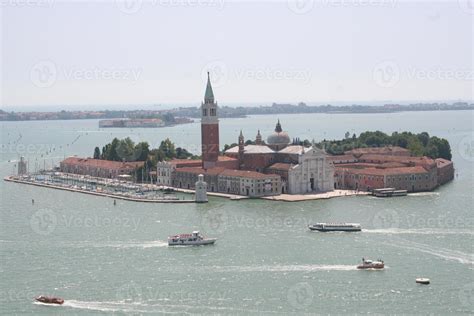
369, 264
194, 239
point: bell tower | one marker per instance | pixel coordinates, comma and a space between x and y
209, 128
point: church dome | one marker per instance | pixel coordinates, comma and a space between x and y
278, 137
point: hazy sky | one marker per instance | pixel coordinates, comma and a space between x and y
158, 51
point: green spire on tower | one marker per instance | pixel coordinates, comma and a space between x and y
209, 96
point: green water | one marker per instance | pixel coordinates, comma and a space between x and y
114, 259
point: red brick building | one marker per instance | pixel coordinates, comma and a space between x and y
99, 168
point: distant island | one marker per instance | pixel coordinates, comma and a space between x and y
300, 108
181, 115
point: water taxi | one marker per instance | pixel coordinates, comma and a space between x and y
369, 264
332, 227
425, 281
49, 300
194, 239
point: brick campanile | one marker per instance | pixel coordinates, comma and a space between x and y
209, 128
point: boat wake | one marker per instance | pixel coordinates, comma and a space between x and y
140, 307
447, 254
424, 194
285, 268
419, 231
45, 304
145, 244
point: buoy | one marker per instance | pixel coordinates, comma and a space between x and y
423, 281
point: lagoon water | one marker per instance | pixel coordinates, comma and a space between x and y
106, 259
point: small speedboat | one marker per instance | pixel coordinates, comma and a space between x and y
369, 264
422, 281
49, 300
194, 239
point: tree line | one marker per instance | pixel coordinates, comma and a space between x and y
421, 144
126, 150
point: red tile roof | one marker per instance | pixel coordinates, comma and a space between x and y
378, 150
226, 158
280, 166
385, 172
199, 170
99, 163
441, 162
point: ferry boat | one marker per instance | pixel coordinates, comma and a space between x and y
49, 300
194, 239
369, 264
332, 227
388, 192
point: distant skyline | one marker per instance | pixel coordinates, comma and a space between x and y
132, 53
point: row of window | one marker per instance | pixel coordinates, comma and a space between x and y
212, 112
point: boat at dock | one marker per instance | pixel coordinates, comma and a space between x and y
49, 300
388, 192
332, 227
369, 264
194, 239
